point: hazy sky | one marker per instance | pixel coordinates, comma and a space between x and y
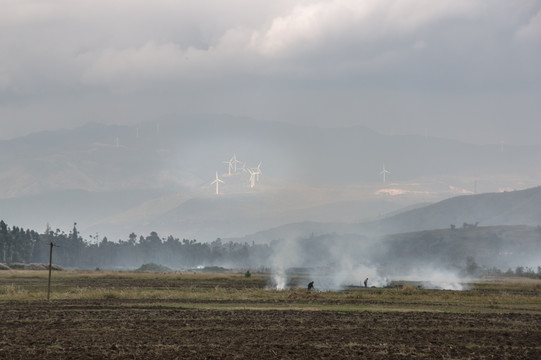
466, 69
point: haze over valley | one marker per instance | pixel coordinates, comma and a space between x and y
371, 135
157, 176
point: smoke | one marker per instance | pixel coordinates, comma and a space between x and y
331, 263
335, 262
279, 278
286, 254
430, 277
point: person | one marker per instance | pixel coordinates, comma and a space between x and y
310, 285
366, 282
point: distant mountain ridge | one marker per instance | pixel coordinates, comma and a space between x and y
522, 207
188, 151
76, 172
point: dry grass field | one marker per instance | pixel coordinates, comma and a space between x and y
128, 315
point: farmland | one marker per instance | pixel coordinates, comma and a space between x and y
128, 315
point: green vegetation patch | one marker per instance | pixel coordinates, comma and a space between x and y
151, 267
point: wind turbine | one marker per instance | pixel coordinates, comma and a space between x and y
252, 177
229, 166
243, 167
217, 182
257, 171
384, 172
234, 162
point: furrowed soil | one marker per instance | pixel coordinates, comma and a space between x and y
299, 328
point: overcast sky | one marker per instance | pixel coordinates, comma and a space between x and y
463, 69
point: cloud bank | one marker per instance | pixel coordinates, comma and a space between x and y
369, 60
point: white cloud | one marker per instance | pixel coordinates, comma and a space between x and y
309, 26
128, 43
357, 36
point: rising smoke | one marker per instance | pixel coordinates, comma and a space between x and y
334, 262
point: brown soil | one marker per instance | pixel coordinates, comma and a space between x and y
120, 329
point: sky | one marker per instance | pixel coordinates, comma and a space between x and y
461, 69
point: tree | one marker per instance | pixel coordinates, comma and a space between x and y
3, 240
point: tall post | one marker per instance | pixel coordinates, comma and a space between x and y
50, 268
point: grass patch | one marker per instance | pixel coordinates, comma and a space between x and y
12, 290
223, 290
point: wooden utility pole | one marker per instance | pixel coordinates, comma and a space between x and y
50, 268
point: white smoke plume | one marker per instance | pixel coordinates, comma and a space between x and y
286, 254
336, 263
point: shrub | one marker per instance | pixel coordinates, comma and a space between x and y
151, 267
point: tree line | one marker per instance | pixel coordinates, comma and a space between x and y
18, 245
72, 251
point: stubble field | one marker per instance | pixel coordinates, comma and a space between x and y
117, 315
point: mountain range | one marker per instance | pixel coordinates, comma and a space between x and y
521, 208
155, 176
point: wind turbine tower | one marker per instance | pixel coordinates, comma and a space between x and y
217, 181
229, 166
234, 162
252, 177
384, 172
256, 171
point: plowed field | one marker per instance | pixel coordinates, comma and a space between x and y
297, 327
135, 330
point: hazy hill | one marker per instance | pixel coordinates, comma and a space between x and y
187, 152
493, 246
521, 207
130, 177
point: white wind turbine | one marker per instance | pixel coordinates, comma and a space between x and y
243, 167
252, 177
217, 182
229, 166
384, 172
234, 162
257, 171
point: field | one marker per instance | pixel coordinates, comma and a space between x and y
123, 315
